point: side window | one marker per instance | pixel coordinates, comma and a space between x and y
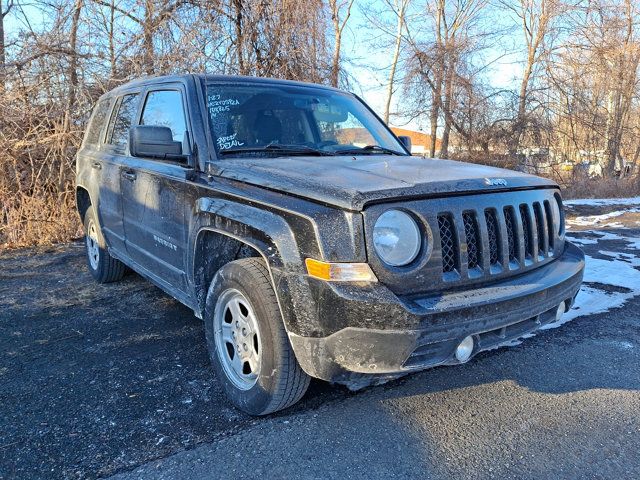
96, 124
164, 108
122, 120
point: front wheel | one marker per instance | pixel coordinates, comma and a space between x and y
248, 344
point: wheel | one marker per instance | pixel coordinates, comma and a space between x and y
103, 267
247, 342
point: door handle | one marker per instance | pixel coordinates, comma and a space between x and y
96, 165
129, 176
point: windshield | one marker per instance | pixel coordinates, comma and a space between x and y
273, 120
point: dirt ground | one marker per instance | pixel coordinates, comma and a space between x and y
98, 380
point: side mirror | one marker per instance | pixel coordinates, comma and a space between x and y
155, 142
406, 141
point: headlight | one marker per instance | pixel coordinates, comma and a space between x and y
396, 238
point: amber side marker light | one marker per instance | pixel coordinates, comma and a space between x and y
340, 272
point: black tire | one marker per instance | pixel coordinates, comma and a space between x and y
279, 382
103, 267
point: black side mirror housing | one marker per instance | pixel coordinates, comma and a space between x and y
154, 142
406, 141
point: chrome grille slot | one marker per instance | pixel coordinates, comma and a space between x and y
540, 227
552, 237
494, 236
450, 254
512, 234
474, 244
527, 233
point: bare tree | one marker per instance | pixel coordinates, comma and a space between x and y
438, 59
337, 6
399, 8
535, 18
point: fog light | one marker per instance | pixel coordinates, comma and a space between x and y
465, 349
560, 311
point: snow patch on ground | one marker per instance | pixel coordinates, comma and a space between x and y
598, 202
599, 235
589, 220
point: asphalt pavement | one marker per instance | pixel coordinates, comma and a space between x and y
114, 381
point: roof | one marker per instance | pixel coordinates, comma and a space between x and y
147, 80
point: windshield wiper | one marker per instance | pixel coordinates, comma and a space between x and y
368, 149
277, 148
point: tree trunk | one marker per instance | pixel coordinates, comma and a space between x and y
237, 21
3, 58
148, 28
335, 62
437, 91
448, 102
394, 61
338, 27
521, 121
72, 74
112, 49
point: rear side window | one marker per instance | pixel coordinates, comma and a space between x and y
164, 108
122, 120
98, 120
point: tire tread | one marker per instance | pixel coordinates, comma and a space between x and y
293, 381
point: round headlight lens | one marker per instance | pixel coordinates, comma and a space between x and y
396, 238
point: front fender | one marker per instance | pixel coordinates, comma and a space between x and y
272, 236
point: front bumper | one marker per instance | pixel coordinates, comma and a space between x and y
424, 331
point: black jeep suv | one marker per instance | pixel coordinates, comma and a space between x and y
299, 227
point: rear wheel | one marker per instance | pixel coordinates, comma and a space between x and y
248, 344
103, 267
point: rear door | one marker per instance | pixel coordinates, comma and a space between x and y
113, 153
153, 193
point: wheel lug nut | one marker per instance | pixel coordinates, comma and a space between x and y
244, 345
244, 332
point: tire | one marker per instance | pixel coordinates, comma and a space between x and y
247, 342
103, 267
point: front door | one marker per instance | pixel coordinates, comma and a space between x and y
153, 196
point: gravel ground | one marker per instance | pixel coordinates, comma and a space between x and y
109, 380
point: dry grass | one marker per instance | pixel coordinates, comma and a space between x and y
40, 218
601, 187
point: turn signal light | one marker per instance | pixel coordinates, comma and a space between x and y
340, 272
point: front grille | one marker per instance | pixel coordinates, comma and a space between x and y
509, 239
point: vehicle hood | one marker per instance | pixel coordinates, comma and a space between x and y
351, 182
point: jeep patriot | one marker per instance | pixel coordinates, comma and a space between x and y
301, 230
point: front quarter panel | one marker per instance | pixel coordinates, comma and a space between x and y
285, 231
